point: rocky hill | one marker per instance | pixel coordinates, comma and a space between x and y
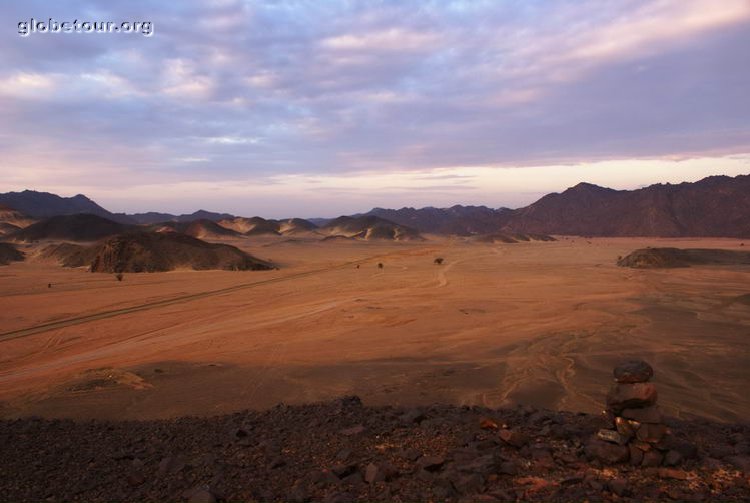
154, 217
714, 206
660, 258
79, 227
12, 219
44, 204
458, 220
369, 228
201, 229
154, 252
9, 253
501, 237
344, 451
256, 226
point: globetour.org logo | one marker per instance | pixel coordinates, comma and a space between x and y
26, 28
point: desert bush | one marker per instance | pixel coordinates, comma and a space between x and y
119, 276
380, 265
439, 261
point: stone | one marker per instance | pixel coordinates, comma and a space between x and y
513, 437
629, 396
344, 470
487, 423
650, 414
624, 428
379, 473
431, 463
413, 416
636, 455
508, 468
642, 446
611, 436
410, 454
672, 458
652, 458
651, 433
135, 479
634, 371
618, 485
468, 484
354, 430
355, 479
483, 465
607, 452
171, 464
673, 473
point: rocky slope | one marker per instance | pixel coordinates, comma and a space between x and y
78, 227
14, 217
201, 229
714, 206
502, 237
458, 220
653, 258
44, 204
154, 217
368, 228
156, 252
9, 253
343, 451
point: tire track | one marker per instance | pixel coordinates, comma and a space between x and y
25, 332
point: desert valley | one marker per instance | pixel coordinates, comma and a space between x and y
111, 319
333, 252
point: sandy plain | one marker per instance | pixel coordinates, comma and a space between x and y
539, 323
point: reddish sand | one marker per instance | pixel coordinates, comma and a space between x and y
537, 323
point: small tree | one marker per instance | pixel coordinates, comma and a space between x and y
380, 265
119, 276
438, 261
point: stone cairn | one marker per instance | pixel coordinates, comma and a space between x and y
636, 431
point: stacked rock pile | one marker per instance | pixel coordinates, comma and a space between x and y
636, 426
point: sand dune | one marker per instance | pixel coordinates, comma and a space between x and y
532, 322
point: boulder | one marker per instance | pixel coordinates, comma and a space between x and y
629, 396
513, 437
607, 452
634, 371
650, 414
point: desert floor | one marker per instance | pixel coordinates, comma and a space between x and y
532, 323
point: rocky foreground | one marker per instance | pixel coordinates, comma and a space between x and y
345, 451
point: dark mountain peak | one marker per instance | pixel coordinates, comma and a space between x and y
45, 204
589, 187
714, 206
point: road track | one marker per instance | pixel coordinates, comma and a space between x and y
78, 320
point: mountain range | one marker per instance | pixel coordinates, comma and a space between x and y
716, 206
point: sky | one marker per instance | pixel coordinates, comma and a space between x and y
320, 108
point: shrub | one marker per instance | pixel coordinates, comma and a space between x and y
119, 276
439, 261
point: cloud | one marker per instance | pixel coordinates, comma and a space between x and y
238, 92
